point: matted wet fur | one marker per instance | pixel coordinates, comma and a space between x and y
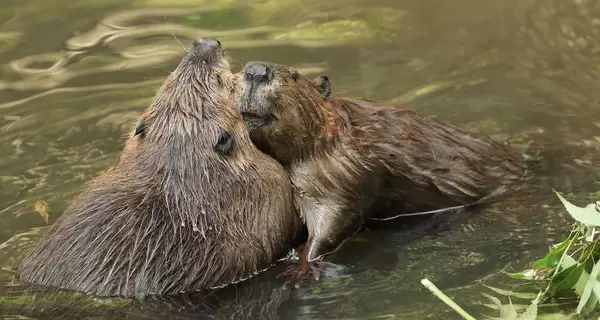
351, 160
191, 204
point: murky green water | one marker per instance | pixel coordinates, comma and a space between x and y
74, 75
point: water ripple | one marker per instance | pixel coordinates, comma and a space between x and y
120, 43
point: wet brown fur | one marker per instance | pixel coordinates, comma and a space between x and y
178, 212
351, 160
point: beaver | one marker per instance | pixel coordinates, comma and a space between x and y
191, 203
353, 160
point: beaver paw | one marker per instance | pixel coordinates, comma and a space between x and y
297, 274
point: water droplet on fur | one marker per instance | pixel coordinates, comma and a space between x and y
182, 224
210, 228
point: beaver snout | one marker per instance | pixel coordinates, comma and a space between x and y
257, 72
206, 46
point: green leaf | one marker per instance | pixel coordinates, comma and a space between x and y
507, 311
589, 234
580, 285
530, 313
568, 262
553, 257
566, 279
511, 313
525, 274
520, 295
587, 215
495, 300
586, 296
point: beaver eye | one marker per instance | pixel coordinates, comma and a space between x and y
294, 75
224, 143
140, 129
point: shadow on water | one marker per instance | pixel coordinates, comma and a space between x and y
523, 70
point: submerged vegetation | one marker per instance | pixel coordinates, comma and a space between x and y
570, 266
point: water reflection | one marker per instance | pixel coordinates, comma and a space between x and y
524, 70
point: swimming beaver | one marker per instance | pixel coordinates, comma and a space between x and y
191, 203
351, 160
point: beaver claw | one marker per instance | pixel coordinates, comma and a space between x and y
297, 274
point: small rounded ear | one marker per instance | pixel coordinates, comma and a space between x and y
224, 143
140, 129
294, 75
324, 86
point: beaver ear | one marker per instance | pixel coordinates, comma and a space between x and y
294, 75
140, 129
324, 86
224, 143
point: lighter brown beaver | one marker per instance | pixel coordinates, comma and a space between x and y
352, 160
191, 203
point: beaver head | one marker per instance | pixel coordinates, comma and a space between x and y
287, 113
191, 204
194, 99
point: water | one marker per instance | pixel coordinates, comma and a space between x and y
75, 75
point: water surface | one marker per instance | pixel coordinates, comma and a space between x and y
74, 76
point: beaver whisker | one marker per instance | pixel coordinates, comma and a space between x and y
174, 37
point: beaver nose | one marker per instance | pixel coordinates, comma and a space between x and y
257, 72
206, 45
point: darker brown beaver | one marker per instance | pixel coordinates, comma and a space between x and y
191, 203
352, 160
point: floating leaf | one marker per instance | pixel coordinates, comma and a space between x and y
587, 215
495, 300
507, 311
41, 207
521, 295
531, 312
